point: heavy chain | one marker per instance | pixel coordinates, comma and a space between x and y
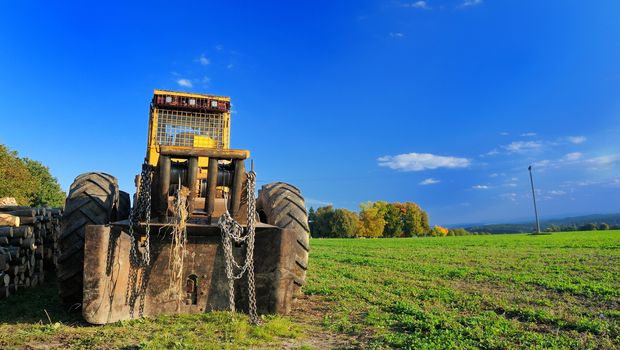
232, 233
142, 211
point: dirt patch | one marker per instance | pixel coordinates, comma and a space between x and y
308, 311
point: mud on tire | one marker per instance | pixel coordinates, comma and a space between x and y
281, 204
93, 200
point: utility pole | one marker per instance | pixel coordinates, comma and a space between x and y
534, 197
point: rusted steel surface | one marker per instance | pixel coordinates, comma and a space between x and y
204, 152
108, 297
211, 186
237, 188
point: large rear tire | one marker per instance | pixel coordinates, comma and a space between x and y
281, 204
124, 206
93, 200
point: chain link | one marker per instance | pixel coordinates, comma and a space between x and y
138, 263
233, 232
142, 211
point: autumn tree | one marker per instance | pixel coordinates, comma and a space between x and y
458, 232
330, 222
323, 220
394, 221
345, 223
372, 219
439, 231
28, 181
15, 179
46, 190
424, 224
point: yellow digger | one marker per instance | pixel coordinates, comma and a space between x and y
196, 238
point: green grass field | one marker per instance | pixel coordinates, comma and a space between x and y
493, 292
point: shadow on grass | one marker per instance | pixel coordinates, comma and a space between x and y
29, 305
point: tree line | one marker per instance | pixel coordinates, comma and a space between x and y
374, 220
587, 227
28, 181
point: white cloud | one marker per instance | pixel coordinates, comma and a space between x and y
469, 3
417, 5
422, 161
492, 152
203, 60
511, 185
510, 196
604, 160
541, 163
429, 181
397, 35
503, 133
572, 156
523, 146
184, 82
557, 192
577, 159
576, 139
528, 134
609, 182
480, 187
230, 66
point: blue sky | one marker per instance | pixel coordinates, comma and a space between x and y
444, 103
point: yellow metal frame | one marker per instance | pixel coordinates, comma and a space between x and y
199, 141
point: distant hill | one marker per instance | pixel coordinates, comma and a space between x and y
574, 221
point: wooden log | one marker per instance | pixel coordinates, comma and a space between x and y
25, 212
28, 220
14, 251
9, 220
5, 279
16, 241
28, 243
39, 253
13, 270
14, 208
20, 260
6, 231
13, 287
4, 251
22, 232
7, 202
4, 241
4, 292
3, 263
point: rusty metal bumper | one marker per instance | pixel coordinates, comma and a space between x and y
115, 289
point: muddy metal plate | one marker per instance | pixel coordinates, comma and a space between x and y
110, 293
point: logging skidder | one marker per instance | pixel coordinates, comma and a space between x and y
196, 238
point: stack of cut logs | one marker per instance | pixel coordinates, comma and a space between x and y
27, 246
